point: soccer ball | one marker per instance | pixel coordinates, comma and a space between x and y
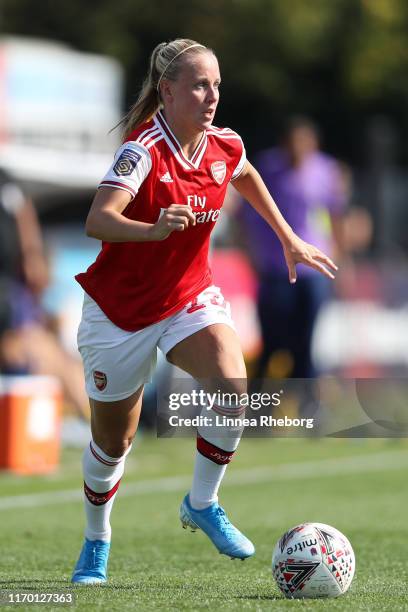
313, 560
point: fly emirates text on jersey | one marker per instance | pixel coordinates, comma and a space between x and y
198, 203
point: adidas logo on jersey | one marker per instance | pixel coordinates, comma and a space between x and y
166, 178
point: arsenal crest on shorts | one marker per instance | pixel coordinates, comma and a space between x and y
218, 171
100, 380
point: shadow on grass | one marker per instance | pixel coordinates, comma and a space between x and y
261, 597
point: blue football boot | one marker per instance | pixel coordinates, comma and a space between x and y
215, 523
92, 563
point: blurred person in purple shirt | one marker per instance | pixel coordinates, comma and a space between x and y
309, 188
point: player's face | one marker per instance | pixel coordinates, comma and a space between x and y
195, 93
302, 141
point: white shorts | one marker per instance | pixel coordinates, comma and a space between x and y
118, 362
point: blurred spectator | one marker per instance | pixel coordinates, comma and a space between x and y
26, 345
310, 190
23, 269
357, 231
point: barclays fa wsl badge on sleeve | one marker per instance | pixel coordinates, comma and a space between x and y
126, 162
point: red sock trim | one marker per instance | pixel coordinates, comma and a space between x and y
99, 499
212, 452
229, 412
101, 459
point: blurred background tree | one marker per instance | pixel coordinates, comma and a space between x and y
340, 61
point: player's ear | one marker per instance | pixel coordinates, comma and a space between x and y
166, 90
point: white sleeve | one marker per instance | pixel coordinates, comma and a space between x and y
241, 164
131, 166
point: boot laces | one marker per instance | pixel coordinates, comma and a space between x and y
95, 556
226, 526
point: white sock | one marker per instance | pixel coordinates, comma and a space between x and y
102, 476
215, 448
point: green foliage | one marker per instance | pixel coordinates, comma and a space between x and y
343, 58
377, 55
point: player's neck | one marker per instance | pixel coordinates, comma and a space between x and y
188, 137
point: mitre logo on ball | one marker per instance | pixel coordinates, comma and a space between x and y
218, 171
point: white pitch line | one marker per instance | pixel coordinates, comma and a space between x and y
338, 466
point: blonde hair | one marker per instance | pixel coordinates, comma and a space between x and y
165, 62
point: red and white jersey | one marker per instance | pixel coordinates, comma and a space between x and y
140, 283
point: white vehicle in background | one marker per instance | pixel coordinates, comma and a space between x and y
57, 106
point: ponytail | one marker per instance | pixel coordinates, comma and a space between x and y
164, 63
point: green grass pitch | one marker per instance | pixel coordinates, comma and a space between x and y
358, 486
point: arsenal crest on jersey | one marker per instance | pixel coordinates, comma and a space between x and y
218, 171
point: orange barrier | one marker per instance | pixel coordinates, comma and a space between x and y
30, 423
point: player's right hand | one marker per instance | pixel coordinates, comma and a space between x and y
175, 218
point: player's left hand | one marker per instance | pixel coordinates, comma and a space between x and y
297, 251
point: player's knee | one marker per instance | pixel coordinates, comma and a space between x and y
234, 389
232, 367
231, 361
240, 371
227, 358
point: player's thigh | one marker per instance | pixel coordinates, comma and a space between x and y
213, 352
116, 362
114, 424
201, 340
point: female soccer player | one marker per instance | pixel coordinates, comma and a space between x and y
151, 287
